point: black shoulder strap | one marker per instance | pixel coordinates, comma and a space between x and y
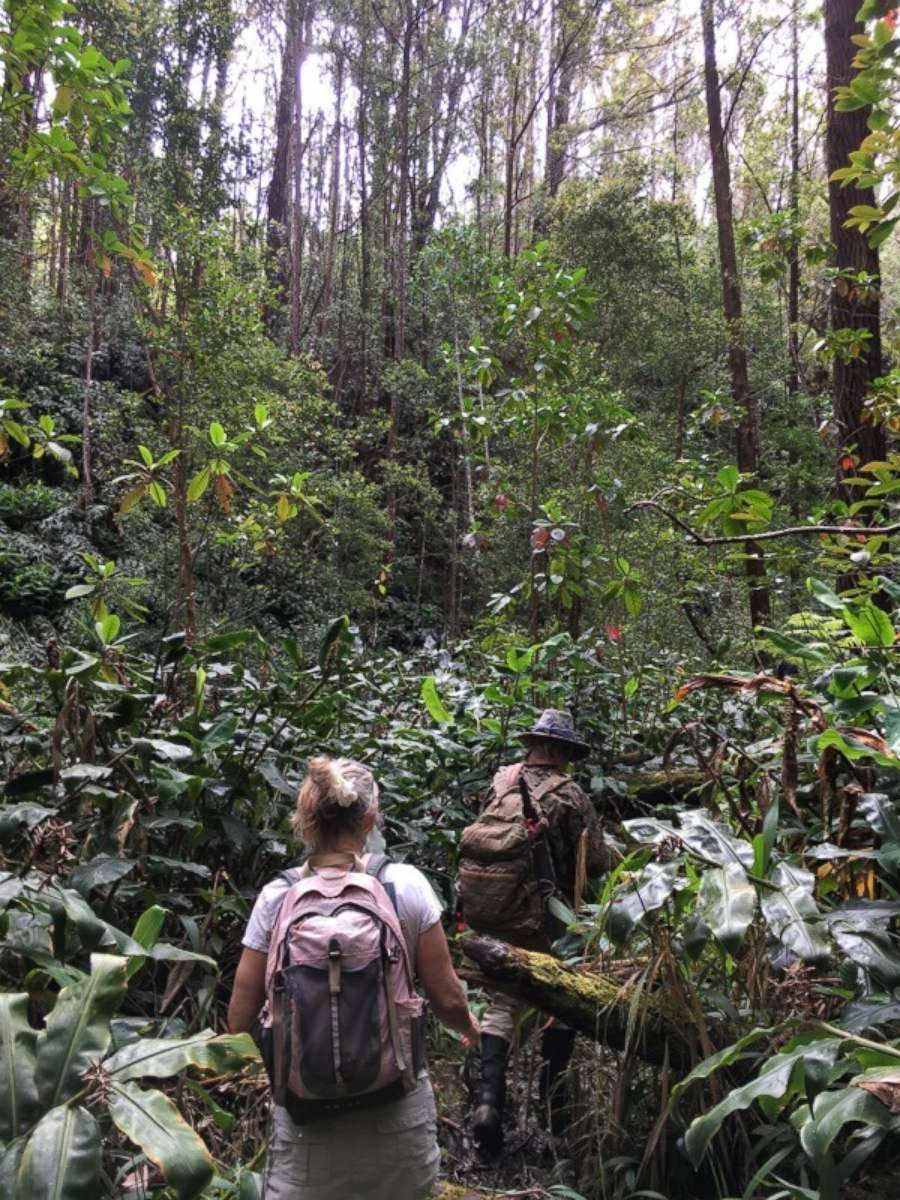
376, 867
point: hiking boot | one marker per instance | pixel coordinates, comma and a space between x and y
487, 1119
557, 1044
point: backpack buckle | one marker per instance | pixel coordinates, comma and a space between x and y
334, 967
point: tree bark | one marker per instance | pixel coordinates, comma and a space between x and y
599, 1007
851, 307
278, 194
747, 434
301, 49
793, 302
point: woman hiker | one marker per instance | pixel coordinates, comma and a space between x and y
354, 1112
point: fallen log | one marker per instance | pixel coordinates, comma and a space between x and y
652, 1024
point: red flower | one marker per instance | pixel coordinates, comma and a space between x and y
614, 633
848, 462
890, 18
501, 501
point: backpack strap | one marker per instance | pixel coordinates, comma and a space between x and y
548, 786
376, 867
291, 876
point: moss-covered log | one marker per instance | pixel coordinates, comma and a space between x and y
652, 1024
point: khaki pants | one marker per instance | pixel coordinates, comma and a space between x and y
503, 1016
384, 1153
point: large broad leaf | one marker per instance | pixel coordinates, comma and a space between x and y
722, 1058
726, 903
702, 835
792, 914
654, 886
19, 1105
162, 1057
10, 1158
152, 1122
101, 871
879, 811
831, 1111
15, 817
77, 1032
876, 952
861, 1015
62, 1158
649, 831
781, 1076
870, 625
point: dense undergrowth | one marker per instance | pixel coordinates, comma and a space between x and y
147, 798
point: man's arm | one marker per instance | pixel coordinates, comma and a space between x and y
583, 816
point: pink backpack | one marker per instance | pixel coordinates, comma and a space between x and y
343, 1027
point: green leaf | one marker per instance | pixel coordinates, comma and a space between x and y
792, 915
10, 1159
651, 890
199, 484
108, 628
100, 871
726, 903
217, 434
159, 1058
77, 1032
145, 455
825, 595
163, 748
434, 703
19, 1105
62, 1157
79, 589
881, 814
728, 478
151, 1121
831, 1111
337, 633
702, 835
781, 1076
157, 493
870, 625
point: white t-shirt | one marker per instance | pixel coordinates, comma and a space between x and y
417, 907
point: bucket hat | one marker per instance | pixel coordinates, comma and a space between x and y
555, 725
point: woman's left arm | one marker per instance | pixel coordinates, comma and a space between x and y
249, 992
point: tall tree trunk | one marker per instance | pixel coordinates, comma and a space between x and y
365, 234
301, 49
559, 104
793, 301
851, 307
334, 199
746, 440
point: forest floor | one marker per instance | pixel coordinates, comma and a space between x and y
532, 1161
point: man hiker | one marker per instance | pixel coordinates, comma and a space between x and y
538, 836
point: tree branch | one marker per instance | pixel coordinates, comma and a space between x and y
771, 535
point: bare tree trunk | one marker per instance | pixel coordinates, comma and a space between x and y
334, 200
793, 304
746, 441
65, 239
301, 50
851, 307
559, 105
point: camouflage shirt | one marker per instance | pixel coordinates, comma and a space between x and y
569, 812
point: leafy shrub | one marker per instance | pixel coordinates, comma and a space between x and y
28, 587
26, 504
